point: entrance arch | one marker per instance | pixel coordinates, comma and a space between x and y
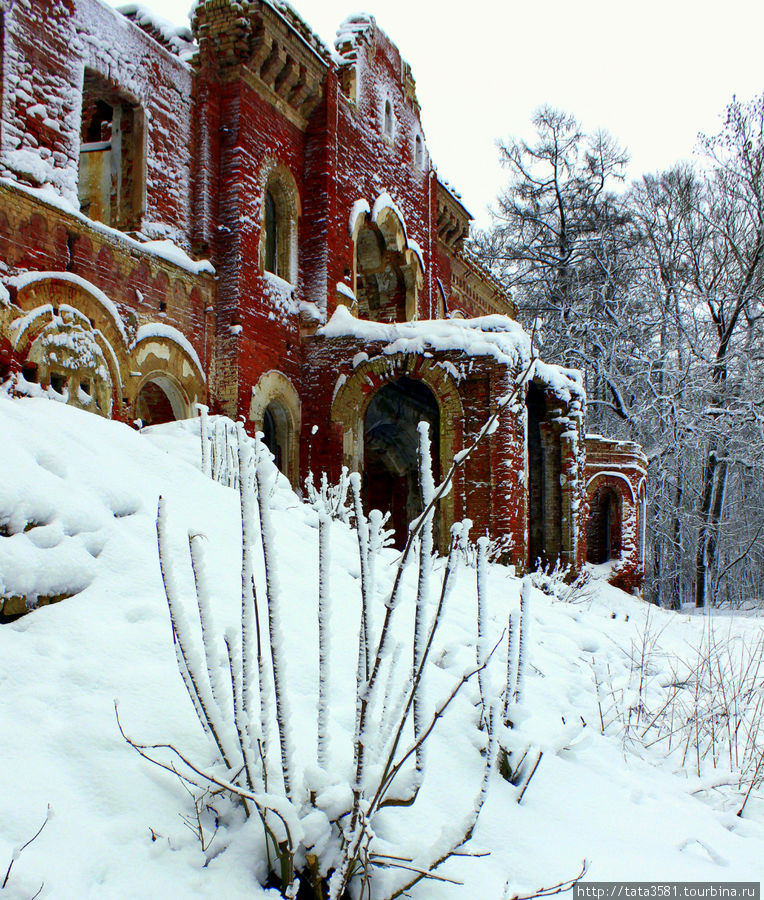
158, 400
391, 450
603, 529
354, 395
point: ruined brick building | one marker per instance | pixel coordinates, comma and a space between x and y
243, 217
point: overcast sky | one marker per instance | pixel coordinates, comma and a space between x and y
653, 73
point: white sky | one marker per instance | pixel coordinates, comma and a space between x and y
653, 73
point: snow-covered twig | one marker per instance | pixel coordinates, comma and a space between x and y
19, 850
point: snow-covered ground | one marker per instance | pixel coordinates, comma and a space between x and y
78, 501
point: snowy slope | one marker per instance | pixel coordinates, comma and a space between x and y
78, 499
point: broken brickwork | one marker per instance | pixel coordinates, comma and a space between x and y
226, 214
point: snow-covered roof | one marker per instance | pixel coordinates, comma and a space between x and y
495, 336
175, 38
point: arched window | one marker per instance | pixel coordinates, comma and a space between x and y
271, 235
279, 214
419, 152
387, 126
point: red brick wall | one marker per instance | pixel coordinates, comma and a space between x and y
47, 46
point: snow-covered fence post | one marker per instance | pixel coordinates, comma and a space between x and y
275, 626
522, 642
324, 562
203, 423
427, 485
250, 637
481, 648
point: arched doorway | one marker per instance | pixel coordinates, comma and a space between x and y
158, 401
603, 528
277, 435
391, 450
544, 486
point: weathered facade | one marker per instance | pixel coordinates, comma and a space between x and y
243, 217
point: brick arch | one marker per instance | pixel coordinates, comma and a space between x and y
352, 398
169, 361
164, 395
619, 485
274, 388
44, 298
392, 244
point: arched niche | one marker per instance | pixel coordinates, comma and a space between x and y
609, 495
353, 397
391, 450
387, 272
67, 334
276, 411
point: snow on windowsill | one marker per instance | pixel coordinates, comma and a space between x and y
279, 283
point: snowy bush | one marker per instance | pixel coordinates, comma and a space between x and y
707, 716
319, 825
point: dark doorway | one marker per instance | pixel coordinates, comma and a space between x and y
276, 434
391, 441
153, 405
544, 488
603, 527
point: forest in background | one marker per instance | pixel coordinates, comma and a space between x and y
655, 291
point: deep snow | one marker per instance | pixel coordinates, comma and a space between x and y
78, 500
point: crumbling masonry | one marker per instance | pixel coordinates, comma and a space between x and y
238, 215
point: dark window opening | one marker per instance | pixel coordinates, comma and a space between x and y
29, 373
391, 451
388, 119
58, 382
85, 386
385, 285
603, 528
162, 306
271, 235
111, 155
544, 489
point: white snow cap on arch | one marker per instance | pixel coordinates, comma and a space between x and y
160, 330
383, 202
22, 281
607, 473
